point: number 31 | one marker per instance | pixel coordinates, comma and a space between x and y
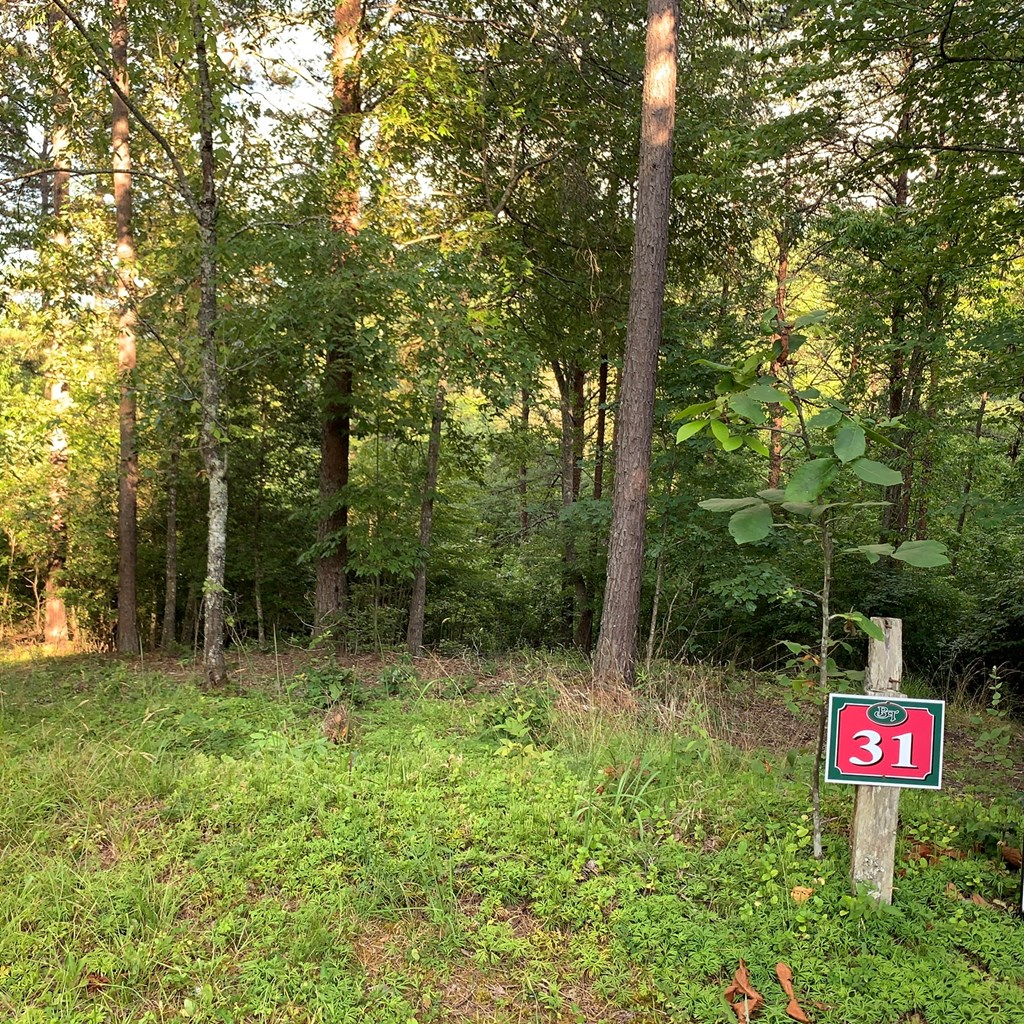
872, 747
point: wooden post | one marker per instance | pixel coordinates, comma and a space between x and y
876, 808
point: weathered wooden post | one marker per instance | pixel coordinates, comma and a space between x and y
876, 808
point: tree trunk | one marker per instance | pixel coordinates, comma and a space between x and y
257, 525
615, 661
602, 419
968, 483
782, 337
331, 596
211, 443
524, 426
824, 651
128, 477
418, 601
171, 564
55, 627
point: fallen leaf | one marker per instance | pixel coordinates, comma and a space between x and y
801, 893
785, 975
95, 983
979, 900
1011, 855
744, 999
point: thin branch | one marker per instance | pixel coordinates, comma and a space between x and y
184, 188
84, 171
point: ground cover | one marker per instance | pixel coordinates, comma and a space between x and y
489, 843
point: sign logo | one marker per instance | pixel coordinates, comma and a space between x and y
887, 714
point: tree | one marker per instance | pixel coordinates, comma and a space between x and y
615, 659
128, 475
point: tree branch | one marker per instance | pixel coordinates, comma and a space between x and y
184, 188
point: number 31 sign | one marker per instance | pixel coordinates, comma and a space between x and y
882, 741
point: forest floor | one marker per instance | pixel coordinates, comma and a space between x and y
488, 842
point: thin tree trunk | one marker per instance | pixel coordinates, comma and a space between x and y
55, 629
171, 562
602, 418
211, 443
418, 601
188, 625
257, 524
615, 660
331, 597
782, 337
524, 425
823, 656
128, 477
968, 483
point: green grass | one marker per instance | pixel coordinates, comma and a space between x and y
169, 855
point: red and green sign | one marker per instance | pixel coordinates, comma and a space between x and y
881, 741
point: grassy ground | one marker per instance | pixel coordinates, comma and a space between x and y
476, 851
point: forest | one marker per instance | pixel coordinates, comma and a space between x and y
315, 319
449, 452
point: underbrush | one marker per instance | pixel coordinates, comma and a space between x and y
530, 852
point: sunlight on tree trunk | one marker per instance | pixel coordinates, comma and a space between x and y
128, 475
615, 659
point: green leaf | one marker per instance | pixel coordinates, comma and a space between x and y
721, 432
800, 508
809, 394
879, 438
825, 418
764, 393
687, 430
746, 407
871, 551
695, 410
810, 479
792, 647
808, 319
872, 629
872, 472
849, 443
755, 444
750, 524
731, 443
727, 504
775, 494
714, 366
925, 554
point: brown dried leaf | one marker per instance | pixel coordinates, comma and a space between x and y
1011, 855
801, 893
979, 900
95, 983
785, 975
744, 999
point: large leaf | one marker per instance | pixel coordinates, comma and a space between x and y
695, 410
747, 408
775, 494
727, 504
872, 552
872, 472
689, 429
825, 418
872, 629
721, 431
755, 444
764, 393
925, 554
750, 524
849, 443
810, 479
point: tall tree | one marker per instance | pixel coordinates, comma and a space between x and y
615, 658
128, 475
335, 449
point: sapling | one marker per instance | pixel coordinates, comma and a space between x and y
828, 452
